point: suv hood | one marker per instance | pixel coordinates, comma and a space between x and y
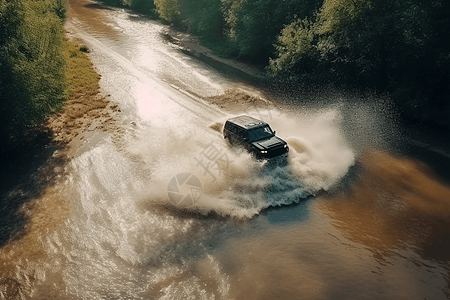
269, 143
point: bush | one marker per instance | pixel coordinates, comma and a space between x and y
389, 46
255, 24
203, 18
167, 9
32, 65
146, 7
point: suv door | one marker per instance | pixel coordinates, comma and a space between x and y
242, 137
230, 132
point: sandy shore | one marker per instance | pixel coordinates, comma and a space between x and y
190, 45
34, 204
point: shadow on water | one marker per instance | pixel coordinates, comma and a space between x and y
225, 69
189, 213
429, 144
297, 212
438, 162
27, 166
96, 6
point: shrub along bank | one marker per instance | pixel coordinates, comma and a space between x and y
43, 74
32, 64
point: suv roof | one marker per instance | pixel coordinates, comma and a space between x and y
247, 122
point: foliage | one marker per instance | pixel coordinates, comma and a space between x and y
231, 10
335, 15
294, 43
83, 82
167, 9
32, 64
144, 6
247, 28
60, 9
255, 24
203, 18
390, 46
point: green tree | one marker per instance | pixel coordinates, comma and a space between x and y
255, 24
11, 18
295, 44
318, 42
144, 6
167, 9
203, 18
395, 46
32, 64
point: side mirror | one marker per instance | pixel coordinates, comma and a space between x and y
274, 132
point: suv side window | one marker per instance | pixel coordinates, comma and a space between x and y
242, 133
234, 129
229, 127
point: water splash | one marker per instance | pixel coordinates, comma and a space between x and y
233, 183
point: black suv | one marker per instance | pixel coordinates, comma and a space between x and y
254, 135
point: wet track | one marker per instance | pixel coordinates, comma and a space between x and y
346, 219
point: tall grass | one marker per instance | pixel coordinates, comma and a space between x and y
32, 64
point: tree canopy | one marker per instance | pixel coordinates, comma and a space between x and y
32, 65
389, 46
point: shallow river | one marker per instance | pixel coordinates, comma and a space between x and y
345, 219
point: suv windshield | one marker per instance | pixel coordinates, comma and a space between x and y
260, 133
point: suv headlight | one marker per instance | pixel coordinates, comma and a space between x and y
263, 151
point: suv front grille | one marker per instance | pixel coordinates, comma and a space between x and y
276, 151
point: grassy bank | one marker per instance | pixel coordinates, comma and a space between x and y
33, 205
86, 108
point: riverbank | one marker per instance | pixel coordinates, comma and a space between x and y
86, 109
33, 173
190, 45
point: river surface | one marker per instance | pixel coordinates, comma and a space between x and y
164, 209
